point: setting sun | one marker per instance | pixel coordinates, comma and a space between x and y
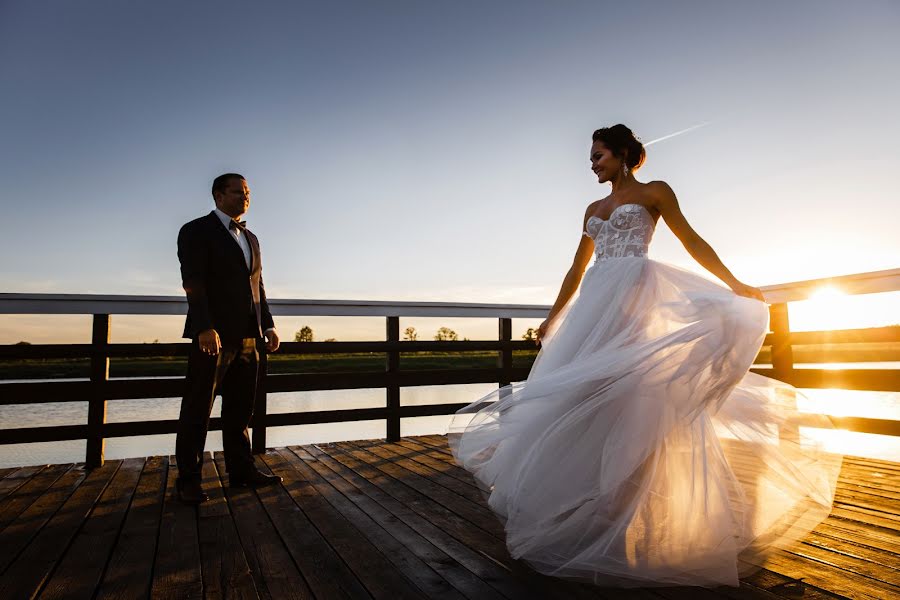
830, 308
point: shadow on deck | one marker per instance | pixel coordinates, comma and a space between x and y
364, 519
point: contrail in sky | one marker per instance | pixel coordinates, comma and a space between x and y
665, 137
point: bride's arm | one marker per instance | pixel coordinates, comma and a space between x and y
665, 202
573, 276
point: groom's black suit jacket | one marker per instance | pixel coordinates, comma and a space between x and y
222, 293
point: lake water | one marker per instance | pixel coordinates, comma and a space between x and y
880, 405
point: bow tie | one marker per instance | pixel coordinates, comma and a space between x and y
242, 225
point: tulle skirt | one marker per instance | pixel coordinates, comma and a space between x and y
640, 451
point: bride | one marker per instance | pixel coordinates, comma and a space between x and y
641, 450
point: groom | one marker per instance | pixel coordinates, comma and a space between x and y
221, 272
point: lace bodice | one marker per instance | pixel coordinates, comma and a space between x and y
627, 232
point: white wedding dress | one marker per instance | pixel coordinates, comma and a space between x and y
640, 450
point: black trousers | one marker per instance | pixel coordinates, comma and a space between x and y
233, 374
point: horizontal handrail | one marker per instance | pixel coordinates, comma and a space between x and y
83, 304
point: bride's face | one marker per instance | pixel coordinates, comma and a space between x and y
604, 163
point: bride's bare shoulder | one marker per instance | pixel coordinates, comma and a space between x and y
592, 207
659, 187
660, 193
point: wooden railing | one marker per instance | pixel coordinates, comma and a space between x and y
99, 388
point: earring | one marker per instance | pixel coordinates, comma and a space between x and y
625, 168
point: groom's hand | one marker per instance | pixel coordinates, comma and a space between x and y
209, 342
272, 341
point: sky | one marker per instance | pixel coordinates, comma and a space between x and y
404, 150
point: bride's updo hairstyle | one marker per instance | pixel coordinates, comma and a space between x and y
621, 142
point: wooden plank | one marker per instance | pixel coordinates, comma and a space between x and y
39, 392
457, 542
846, 336
488, 573
886, 380
886, 541
392, 388
226, 573
437, 460
862, 515
327, 575
17, 478
826, 577
130, 569
176, 571
883, 506
274, 572
457, 575
475, 514
28, 524
331, 469
96, 443
16, 503
400, 456
438, 441
783, 586
866, 476
55, 433
845, 544
860, 485
879, 537
887, 470
27, 574
79, 571
405, 561
844, 561
366, 561
864, 493
441, 517
699, 593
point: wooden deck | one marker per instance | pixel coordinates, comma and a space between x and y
364, 519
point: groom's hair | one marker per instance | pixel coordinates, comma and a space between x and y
221, 182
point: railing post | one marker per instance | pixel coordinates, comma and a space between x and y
783, 362
393, 389
504, 359
96, 443
782, 354
261, 405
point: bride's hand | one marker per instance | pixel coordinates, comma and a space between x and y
748, 291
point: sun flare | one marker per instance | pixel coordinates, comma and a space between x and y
830, 308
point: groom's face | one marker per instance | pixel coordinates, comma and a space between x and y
234, 200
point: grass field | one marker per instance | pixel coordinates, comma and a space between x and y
278, 363
336, 363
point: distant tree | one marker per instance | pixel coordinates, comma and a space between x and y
410, 334
304, 335
445, 334
530, 334
23, 343
331, 340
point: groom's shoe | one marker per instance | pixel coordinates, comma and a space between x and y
190, 492
253, 479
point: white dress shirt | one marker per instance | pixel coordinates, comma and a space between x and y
241, 240
238, 236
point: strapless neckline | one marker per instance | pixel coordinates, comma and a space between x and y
615, 210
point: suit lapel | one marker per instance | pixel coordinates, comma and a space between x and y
254, 250
227, 240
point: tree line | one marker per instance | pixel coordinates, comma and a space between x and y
443, 334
